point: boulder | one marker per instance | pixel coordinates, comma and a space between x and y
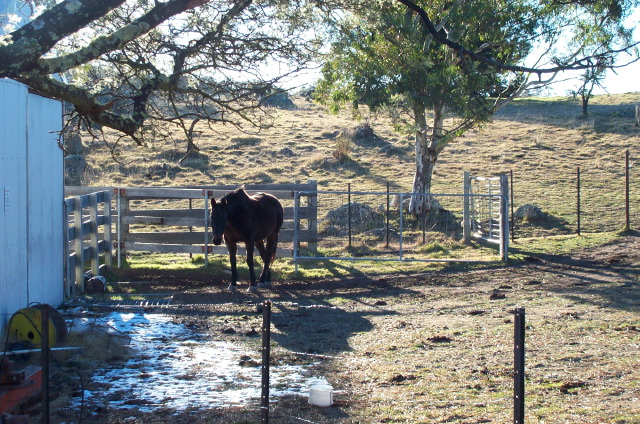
432, 203
529, 212
73, 144
278, 100
363, 218
74, 167
287, 152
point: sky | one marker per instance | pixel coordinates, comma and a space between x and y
618, 81
623, 80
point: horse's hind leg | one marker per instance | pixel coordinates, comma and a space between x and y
270, 254
265, 276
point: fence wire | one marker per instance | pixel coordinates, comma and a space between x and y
378, 226
590, 199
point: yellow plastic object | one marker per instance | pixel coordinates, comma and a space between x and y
26, 326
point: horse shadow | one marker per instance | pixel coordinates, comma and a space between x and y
324, 322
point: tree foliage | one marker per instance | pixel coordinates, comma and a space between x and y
442, 67
138, 66
386, 59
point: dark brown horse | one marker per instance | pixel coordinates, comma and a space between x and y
251, 220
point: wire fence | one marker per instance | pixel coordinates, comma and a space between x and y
378, 226
494, 363
373, 225
590, 200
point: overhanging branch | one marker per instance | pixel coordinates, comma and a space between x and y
575, 64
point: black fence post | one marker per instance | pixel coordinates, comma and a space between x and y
518, 366
578, 205
266, 357
349, 211
627, 226
44, 340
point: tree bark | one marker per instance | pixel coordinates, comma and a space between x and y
428, 147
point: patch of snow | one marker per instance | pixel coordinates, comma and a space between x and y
174, 367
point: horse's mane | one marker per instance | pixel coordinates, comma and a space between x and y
240, 192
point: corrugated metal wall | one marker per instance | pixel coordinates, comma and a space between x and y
32, 187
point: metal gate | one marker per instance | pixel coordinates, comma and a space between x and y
486, 210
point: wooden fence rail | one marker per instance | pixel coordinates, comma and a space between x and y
175, 220
83, 240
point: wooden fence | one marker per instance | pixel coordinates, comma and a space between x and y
84, 242
175, 220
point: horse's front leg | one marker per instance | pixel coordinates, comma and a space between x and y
265, 276
252, 272
233, 249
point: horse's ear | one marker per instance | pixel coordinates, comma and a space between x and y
223, 202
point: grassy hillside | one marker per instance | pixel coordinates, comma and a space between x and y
541, 140
530, 136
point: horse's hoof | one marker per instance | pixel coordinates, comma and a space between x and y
252, 289
267, 284
262, 285
232, 288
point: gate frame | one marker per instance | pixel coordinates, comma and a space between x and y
503, 212
467, 196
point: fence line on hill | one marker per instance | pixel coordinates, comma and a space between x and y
592, 200
578, 200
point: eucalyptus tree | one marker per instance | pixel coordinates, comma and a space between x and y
601, 35
386, 59
442, 67
138, 66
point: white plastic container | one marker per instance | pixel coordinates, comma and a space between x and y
321, 395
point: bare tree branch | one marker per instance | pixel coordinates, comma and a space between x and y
572, 64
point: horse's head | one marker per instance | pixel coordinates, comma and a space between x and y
218, 219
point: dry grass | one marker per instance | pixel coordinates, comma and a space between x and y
417, 345
543, 141
436, 347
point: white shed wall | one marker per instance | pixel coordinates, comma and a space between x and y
45, 201
32, 190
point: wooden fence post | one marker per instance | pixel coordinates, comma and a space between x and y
93, 233
69, 260
123, 229
511, 204
206, 194
108, 245
312, 223
78, 246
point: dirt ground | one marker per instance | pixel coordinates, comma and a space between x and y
427, 347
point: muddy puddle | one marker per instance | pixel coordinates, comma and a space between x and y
175, 367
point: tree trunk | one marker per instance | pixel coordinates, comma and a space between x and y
428, 146
585, 105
